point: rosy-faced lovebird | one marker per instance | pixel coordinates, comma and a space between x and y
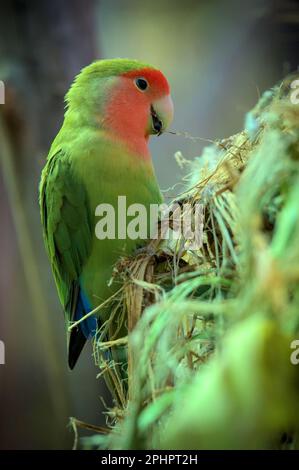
101, 152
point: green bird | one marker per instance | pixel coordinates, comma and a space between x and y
100, 153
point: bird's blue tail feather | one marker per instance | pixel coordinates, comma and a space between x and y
88, 326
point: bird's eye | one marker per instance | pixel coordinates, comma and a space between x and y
141, 83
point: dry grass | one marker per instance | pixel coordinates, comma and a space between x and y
210, 329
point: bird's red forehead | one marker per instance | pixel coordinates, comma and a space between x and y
155, 78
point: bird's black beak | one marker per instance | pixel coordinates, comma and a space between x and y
156, 122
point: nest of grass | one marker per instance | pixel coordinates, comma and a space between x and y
210, 329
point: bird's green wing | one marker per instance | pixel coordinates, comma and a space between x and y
66, 221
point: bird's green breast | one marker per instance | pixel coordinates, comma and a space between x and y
108, 171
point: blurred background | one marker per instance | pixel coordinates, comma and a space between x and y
219, 56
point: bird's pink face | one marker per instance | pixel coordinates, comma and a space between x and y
139, 105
